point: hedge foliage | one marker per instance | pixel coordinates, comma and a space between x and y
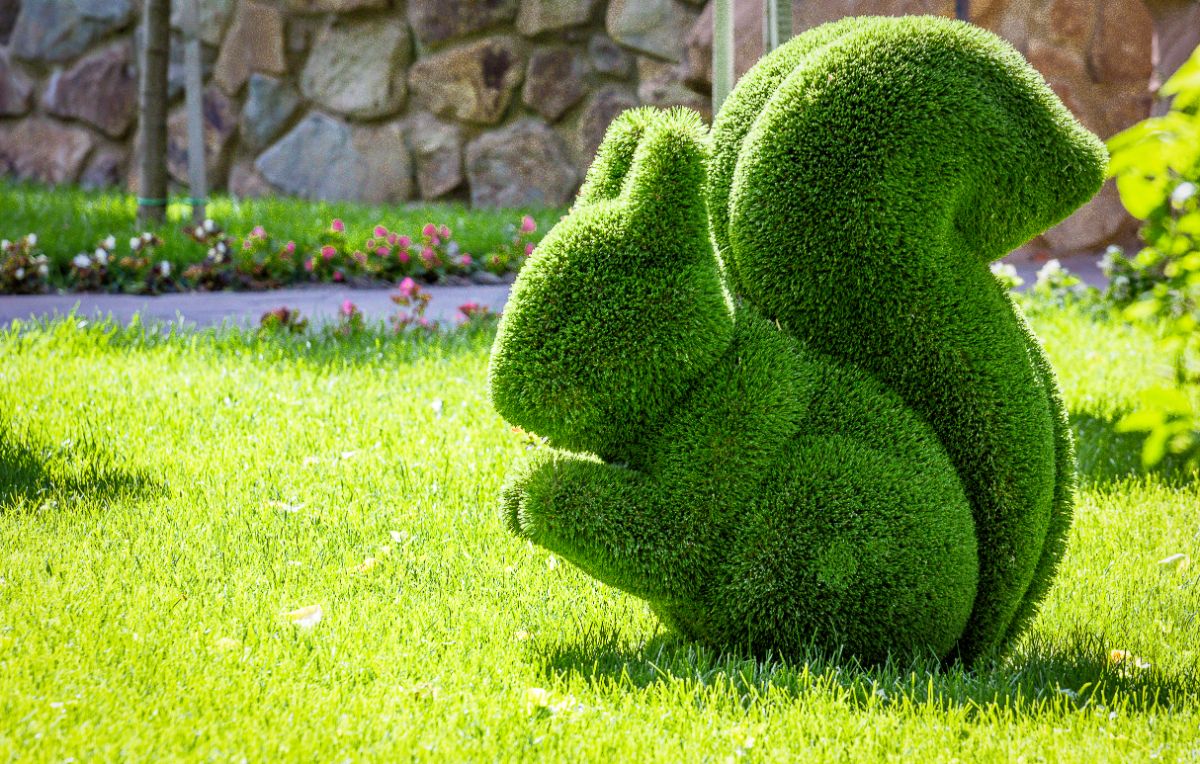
834, 428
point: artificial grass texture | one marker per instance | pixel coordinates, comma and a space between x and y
70, 220
863, 448
144, 567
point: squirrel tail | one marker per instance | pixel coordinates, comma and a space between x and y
863, 176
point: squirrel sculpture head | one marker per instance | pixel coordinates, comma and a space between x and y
750, 421
631, 277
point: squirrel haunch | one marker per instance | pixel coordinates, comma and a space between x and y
835, 429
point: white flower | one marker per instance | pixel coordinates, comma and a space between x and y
81, 261
20, 274
101, 257
1050, 270
43, 270
1182, 193
4, 243
209, 225
164, 268
135, 243
110, 242
147, 237
31, 239
212, 253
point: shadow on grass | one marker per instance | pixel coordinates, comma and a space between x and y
1103, 455
32, 472
1039, 678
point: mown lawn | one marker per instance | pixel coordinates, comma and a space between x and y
165, 500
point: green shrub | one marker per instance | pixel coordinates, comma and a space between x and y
1157, 166
836, 428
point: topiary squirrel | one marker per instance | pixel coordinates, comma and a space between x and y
786, 401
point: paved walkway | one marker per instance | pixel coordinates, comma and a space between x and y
317, 304
202, 309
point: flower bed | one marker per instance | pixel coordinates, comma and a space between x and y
259, 260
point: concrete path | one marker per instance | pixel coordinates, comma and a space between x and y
318, 304
203, 309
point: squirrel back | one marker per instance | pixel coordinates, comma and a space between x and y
863, 176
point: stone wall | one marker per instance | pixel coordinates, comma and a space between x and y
501, 102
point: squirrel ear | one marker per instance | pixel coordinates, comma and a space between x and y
606, 176
667, 179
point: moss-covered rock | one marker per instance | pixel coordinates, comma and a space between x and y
835, 429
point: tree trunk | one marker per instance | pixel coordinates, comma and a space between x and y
152, 105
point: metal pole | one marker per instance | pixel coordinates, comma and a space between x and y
962, 9
194, 87
722, 77
777, 24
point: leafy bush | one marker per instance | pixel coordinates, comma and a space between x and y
1157, 168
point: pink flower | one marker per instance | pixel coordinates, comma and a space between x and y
403, 256
429, 231
408, 288
383, 251
444, 232
435, 241
403, 242
338, 226
529, 249
528, 224
338, 276
380, 231
308, 265
290, 248
247, 244
370, 244
360, 257
259, 231
392, 239
428, 254
328, 252
349, 308
465, 261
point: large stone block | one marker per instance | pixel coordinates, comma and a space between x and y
609, 58
521, 165
437, 148
602, 107
807, 14
16, 89
245, 182
220, 124
101, 89
106, 168
8, 18
661, 84
58, 30
554, 81
357, 68
1121, 47
270, 103
1093, 226
213, 17
333, 6
254, 44
435, 21
471, 83
537, 16
44, 150
325, 158
657, 27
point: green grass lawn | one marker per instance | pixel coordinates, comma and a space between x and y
164, 500
69, 220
